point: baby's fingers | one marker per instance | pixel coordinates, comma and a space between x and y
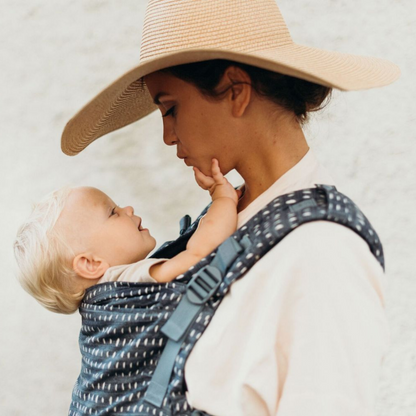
216, 172
205, 182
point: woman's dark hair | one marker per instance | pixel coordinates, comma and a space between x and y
293, 94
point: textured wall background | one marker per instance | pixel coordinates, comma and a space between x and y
55, 56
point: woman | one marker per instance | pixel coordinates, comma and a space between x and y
304, 332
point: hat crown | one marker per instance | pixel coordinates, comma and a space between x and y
236, 25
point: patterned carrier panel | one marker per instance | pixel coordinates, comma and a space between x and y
120, 338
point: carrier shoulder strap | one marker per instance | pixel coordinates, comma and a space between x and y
210, 279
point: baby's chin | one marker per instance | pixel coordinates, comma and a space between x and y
152, 246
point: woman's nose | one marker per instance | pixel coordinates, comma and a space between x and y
169, 135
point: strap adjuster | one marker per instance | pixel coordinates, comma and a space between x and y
184, 224
203, 285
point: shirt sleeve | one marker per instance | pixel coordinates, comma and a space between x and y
136, 272
333, 332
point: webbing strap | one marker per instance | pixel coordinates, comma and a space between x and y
181, 319
227, 252
160, 378
200, 288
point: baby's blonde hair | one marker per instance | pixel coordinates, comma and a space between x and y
44, 257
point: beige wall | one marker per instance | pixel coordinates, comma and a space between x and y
54, 56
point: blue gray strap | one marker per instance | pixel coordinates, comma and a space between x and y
160, 379
202, 286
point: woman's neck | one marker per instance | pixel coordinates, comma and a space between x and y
269, 154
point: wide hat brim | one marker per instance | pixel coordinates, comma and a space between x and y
128, 100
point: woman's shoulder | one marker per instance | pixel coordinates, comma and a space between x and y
326, 239
323, 242
322, 254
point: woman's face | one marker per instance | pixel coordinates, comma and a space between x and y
199, 127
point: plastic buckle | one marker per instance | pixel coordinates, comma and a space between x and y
184, 224
203, 285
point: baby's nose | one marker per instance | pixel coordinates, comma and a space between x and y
129, 210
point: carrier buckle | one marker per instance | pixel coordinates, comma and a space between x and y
203, 285
184, 224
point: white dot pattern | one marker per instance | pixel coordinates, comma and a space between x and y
120, 339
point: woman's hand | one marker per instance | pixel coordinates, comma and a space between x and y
217, 185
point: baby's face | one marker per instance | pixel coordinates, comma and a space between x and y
93, 223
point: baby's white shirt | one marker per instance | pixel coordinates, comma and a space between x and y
136, 272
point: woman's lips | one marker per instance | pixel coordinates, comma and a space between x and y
184, 158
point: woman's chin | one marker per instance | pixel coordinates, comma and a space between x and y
205, 168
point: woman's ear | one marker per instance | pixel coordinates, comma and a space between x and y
240, 91
89, 266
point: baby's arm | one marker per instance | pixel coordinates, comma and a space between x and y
216, 226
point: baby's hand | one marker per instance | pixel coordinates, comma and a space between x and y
217, 184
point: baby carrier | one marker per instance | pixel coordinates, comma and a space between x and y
135, 337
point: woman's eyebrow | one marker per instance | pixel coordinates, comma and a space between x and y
156, 99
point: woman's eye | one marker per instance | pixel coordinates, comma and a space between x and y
170, 112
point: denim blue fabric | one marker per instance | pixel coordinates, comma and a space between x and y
121, 340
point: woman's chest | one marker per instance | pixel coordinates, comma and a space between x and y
226, 371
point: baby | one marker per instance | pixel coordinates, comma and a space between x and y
78, 237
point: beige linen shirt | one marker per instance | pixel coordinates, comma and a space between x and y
136, 272
304, 332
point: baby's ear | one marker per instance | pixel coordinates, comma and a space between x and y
89, 267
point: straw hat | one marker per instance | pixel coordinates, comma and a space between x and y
183, 31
